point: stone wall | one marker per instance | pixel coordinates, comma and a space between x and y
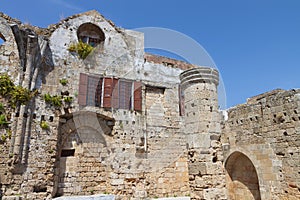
88, 149
165, 141
266, 131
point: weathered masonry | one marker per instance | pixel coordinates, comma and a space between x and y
84, 110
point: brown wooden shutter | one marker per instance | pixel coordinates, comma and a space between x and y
137, 96
107, 93
115, 93
82, 92
181, 101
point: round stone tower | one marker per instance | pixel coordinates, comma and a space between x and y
202, 130
199, 90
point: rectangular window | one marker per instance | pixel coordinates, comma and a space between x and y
94, 91
109, 92
125, 94
67, 152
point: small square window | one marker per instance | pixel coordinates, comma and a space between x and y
67, 152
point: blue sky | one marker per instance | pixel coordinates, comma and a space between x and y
255, 44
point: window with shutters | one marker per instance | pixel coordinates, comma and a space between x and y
125, 94
137, 96
94, 91
108, 92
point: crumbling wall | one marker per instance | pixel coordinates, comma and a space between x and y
266, 131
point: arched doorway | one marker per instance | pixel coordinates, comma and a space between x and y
82, 150
241, 178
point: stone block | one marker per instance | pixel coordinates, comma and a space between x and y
197, 168
117, 181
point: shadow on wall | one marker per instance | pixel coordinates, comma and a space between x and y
1, 192
241, 177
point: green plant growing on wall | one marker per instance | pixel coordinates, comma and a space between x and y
14, 94
57, 100
81, 48
6, 84
48, 98
8, 133
3, 138
54, 100
3, 121
44, 125
63, 82
2, 110
68, 99
20, 94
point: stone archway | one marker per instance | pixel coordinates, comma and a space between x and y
241, 177
82, 150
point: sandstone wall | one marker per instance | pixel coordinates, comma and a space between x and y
88, 149
266, 131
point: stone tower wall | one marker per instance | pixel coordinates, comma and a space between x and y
202, 131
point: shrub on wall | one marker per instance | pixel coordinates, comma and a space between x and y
64, 82
81, 48
44, 125
54, 100
14, 94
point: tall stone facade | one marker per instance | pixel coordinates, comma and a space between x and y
123, 122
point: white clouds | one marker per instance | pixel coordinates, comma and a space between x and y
67, 5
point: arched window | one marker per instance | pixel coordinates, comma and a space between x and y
91, 34
2, 39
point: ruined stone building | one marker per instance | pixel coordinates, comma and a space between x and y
119, 121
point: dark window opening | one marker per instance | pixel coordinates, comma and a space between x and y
39, 188
91, 34
67, 152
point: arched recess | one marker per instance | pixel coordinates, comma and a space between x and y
91, 34
241, 177
82, 144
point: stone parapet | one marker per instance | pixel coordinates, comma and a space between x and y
199, 75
